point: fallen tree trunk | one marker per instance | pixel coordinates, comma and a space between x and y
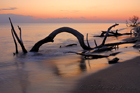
50, 38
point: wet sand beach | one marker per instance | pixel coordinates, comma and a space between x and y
122, 77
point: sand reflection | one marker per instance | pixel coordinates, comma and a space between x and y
23, 76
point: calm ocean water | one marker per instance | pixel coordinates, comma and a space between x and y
51, 69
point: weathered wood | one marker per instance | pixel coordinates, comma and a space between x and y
94, 56
14, 41
78, 35
69, 45
107, 33
20, 34
111, 33
87, 41
103, 49
114, 60
116, 35
95, 43
51, 36
21, 44
117, 43
114, 54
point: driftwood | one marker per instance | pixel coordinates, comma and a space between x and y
78, 35
20, 34
50, 38
69, 45
14, 42
116, 35
98, 48
117, 43
115, 60
20, 42
111, 33
93, 56
107, 33
102, 49
87, 41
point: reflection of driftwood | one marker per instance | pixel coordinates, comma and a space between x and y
50, 38
21, 44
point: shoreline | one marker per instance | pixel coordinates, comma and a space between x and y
122, 77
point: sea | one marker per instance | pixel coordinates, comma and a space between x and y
54, 68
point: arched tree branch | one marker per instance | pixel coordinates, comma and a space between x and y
50, 38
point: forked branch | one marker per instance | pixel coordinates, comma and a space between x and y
21, 44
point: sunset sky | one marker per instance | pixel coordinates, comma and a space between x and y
85, 10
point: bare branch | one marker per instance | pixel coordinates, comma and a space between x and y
14, 42
107, 33
21, 44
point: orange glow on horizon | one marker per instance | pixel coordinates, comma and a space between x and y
76, 9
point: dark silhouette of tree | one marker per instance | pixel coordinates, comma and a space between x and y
134, 20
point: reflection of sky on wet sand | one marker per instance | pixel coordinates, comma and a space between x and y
48, 75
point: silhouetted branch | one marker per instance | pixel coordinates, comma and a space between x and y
50, 38
21, 44
87, 40
20, 34
14, 42
107, 33
95, 43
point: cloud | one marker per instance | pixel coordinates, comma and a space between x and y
30, 19
12, 8
4, 18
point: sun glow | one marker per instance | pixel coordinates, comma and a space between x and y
89, 9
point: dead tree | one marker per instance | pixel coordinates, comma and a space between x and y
134, 20
19, 41
50, 38
14, 42
107, 33
78, 35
